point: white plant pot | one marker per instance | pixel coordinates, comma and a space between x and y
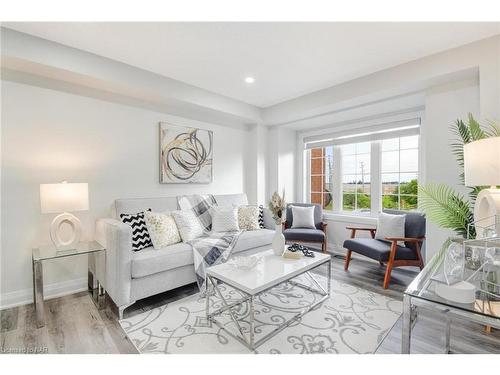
278, 244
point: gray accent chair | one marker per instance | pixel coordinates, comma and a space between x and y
305, 235
389, 252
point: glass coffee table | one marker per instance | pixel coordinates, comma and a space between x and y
421, 294
49, 252
271, 271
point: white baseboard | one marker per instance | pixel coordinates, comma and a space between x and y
25, 296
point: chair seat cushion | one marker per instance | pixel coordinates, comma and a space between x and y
304, 234
378, 250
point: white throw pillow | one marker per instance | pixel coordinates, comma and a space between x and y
188, 225
303, 217
390, 226
225, 219
248, 217
162, 229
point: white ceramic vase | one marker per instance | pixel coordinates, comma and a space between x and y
278, 244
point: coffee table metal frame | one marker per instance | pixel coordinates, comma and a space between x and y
250, 342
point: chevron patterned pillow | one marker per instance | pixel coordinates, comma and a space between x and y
261, 217
140, 234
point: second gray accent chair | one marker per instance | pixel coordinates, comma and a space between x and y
389, 252
305, 235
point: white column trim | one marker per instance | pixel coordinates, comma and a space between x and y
337, 179
375, 177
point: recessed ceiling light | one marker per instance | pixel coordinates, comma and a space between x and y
249, 80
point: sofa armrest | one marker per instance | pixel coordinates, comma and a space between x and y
116, 237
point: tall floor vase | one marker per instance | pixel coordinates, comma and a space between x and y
278, 243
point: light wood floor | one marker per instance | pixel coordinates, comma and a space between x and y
74, 325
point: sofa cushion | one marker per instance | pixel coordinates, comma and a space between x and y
378, 250
252, 239
149, 261
304, 234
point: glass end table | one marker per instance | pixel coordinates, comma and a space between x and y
485, 310
49, 252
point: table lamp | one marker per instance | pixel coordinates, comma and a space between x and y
63, 198
482, 168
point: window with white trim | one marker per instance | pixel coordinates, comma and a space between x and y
399, 172
367, 171
356, 189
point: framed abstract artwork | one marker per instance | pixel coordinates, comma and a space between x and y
186, 155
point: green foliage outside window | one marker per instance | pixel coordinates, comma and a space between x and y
349, 201
408, 197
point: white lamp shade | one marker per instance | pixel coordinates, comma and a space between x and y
64, 197
482, 162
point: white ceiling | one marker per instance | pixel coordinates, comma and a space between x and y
287, 59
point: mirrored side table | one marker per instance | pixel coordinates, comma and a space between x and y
49, 252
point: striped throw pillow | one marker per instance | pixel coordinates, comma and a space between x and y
140, 234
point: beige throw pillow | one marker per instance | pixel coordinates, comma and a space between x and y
248, 217
162, 229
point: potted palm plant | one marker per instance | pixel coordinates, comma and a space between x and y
441, 203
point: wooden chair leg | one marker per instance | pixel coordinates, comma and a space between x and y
323, 247
387, 278
419, 257
347, 260
390, 263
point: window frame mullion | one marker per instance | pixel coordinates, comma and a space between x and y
376, 178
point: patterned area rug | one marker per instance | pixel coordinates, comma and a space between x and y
352, 320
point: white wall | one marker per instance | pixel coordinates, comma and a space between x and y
50, 136
255, 170
281, 162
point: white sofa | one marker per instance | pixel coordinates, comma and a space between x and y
129, 276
